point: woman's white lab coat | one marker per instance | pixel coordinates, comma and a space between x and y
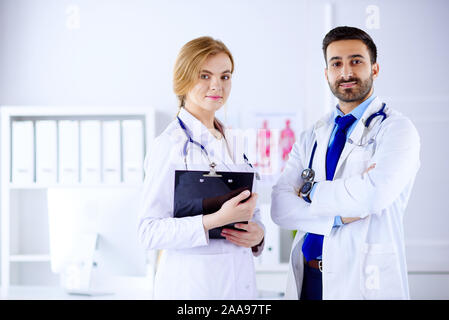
364, 259
192, 266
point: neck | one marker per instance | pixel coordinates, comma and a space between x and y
347, 107
204, 116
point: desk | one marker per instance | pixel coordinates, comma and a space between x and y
56, 293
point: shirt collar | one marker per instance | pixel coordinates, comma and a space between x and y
358, 111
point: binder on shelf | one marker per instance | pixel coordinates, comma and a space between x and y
22, 152
46, 152
133, 144
111, 152
68, 151
90, 149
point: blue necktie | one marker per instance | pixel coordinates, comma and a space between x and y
313, 244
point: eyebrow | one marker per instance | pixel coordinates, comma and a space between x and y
351, 56
207, 71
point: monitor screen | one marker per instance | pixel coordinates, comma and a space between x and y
93, 235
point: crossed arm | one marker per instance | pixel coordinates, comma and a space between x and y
346, 220
396, 161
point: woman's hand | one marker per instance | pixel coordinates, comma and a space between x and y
232, 211
253, 235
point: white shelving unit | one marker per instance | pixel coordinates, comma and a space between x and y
10, 191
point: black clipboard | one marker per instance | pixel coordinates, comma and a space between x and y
191, 187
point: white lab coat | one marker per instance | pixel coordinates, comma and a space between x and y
364, 259
192, 266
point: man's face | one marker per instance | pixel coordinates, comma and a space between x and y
349, 71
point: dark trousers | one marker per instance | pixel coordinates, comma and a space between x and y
312, 284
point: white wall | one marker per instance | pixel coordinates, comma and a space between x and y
122, 53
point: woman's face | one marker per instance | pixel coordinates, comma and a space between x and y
212, 89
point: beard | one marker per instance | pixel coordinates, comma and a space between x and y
357, 93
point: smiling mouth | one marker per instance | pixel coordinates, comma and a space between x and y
214, 97
348, 84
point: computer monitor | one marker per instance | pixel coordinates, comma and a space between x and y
93, 238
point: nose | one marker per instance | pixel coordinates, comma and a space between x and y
346, 71
215, 84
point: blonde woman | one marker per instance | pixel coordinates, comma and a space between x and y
193, 265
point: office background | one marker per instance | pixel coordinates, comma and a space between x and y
121, 53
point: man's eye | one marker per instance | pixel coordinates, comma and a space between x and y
336, 64
204, 76
356, 61
226, 77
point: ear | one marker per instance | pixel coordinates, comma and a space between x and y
375, 70
325, 74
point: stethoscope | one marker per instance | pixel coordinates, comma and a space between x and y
308, 174
212, 165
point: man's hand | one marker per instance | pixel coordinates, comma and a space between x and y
349, 220
371, 167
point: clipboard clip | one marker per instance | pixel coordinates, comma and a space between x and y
212, 172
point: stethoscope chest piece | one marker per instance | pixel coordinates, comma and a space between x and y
308, 174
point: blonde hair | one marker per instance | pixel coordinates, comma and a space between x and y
189, 61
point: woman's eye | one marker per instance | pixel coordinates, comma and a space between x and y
204, 76
356, 61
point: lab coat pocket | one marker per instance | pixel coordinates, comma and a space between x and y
359, 153
359, 160
209, 276
196, 276
380, 276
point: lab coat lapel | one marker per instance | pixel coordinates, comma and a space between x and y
195, 128
218, 152
323, 130
357, 134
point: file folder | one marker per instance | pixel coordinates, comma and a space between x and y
46, 151
90, 151
68, 151
111, 152
22, 152
133, 144
191, 187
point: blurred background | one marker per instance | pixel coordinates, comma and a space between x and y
110, 62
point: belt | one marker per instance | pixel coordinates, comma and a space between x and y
316, 264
